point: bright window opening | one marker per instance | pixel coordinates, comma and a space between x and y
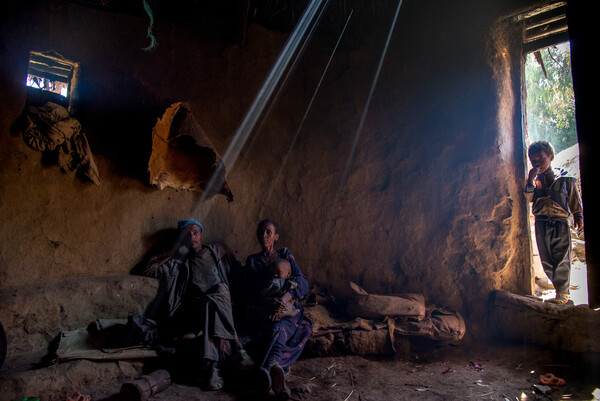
62, 88
51, 77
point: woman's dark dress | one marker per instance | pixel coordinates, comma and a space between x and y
284, 339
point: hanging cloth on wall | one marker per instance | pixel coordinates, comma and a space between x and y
50, 128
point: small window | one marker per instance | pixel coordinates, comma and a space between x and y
51, 78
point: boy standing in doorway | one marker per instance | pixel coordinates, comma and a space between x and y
555, 201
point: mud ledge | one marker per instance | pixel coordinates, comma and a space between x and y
34, 315
521, 318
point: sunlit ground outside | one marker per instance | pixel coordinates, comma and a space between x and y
579, 293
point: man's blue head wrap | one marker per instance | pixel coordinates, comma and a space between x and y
183, 223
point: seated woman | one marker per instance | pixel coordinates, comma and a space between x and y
195, 291
283, 338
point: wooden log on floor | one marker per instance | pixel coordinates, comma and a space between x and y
146, 386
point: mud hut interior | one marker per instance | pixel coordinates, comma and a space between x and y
387, 139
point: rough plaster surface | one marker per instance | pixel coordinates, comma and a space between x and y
427, 201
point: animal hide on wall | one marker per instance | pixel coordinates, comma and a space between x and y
182, 155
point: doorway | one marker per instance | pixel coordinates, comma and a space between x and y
550, 116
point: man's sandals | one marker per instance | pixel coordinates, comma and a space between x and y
550, 380
215, 381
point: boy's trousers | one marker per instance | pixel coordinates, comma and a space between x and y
553, 238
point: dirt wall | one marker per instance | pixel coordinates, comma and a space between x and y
421, 195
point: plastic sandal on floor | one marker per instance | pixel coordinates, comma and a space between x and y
550, 380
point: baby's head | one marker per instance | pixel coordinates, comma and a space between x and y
281, 269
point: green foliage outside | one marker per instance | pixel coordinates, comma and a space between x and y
550, 98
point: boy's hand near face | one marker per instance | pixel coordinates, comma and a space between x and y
532, 174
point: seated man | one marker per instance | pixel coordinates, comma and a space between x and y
195, 284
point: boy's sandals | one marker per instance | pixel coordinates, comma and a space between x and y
550, 380
561, 299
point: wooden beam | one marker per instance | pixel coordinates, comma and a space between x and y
544, 33
546, 21
540, 10
545, 42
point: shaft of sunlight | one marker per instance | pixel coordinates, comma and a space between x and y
310, 103
262, 98
283, 84
349, 160
368, 101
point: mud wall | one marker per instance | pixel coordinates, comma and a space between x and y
422, 195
